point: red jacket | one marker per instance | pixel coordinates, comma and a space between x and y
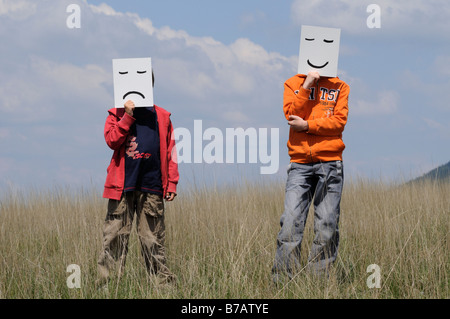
117, 127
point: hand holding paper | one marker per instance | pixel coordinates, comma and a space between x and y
129, 107
311, 79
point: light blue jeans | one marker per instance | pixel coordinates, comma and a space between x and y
322, 181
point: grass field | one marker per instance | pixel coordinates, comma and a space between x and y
221, 244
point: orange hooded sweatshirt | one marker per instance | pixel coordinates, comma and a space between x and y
325, 108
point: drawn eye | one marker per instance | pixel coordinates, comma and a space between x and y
123, 72
309, 39
141, 72
328, 41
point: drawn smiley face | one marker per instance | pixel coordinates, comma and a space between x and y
318, 66
133, 81
319, 50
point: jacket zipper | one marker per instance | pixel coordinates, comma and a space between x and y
310, 137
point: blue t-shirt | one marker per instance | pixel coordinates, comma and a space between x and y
142, 158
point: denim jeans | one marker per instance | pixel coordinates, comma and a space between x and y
322, 181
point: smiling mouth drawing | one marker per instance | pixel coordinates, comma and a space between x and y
133, 92
315, 66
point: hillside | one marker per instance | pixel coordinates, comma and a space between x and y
441, 173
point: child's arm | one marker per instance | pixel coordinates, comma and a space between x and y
129, 107
297, 123
117, 130
173, 175
296, 95
311, 79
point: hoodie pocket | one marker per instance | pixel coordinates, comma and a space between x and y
330, 144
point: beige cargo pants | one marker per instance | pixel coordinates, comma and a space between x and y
149, 211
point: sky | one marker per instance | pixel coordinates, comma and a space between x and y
222, 64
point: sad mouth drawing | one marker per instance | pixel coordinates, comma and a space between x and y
133, 92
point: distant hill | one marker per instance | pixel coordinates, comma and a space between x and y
441, 173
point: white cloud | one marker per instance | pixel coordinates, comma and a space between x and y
202, 68
252, 54
73, 79
35, 92
103, 8
59, 84
17, 9
386, 102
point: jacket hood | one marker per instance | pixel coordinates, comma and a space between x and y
117, 111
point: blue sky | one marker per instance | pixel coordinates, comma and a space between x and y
223, 63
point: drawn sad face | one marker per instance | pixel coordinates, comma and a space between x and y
133, 81
319, 50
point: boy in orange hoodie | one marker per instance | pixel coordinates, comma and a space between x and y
316, 109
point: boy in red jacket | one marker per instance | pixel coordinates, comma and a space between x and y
143, 171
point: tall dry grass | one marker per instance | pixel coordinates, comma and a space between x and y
221, 244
